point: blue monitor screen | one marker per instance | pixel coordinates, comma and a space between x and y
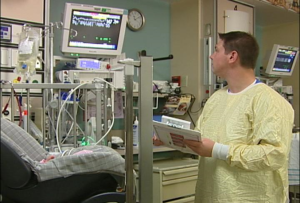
90, 64
284, 60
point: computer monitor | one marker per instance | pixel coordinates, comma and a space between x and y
99, 31
282, 60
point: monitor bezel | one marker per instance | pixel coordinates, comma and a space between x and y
272, 60
88, 52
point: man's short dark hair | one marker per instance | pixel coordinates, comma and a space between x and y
244, 44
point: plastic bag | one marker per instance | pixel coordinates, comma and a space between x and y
27, 52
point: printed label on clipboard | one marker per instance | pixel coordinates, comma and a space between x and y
173, 137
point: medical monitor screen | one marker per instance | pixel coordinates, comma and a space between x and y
93, 30
282, 60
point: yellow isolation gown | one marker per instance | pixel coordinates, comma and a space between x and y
257, 125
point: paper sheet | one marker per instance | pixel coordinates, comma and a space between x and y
173, 137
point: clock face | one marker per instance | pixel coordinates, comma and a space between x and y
136, 20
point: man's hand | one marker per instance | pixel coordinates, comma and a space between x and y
203, 148
156, 141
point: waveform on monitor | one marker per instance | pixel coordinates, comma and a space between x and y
91, 22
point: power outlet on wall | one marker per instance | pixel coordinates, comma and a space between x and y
184, 81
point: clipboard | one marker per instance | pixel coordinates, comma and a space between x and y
173, 137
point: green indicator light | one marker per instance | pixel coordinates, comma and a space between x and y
100, 38
104, 9
105, 39
97, 38
72, 54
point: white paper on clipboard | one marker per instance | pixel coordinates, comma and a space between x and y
173, 137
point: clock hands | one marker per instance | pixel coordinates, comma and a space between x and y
136, 16
135, 20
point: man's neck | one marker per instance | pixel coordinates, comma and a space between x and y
238, 82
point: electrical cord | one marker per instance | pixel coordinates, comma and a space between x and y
101, 79
112, 124
193, 101
71, 117
190, 107
191, 119
95, 79
60, 111
79, 102
156, 87
50, 120
68, 133
156, 107
189, 111
112, 104
20, 109
18, 102
6, 106
80, 107
158, 92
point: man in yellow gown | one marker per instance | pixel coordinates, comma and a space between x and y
246, 131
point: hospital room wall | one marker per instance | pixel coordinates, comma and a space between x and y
284, 34
186, 45
258, 36
187, 21
154, 37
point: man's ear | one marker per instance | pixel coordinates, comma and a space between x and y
233, 56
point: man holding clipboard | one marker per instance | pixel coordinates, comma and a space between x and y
173, 135
246, 131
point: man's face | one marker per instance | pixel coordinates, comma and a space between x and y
219, 59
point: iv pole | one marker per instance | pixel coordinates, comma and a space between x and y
145, 127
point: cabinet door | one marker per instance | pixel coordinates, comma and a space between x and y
229, 7
29, 10
179, 173
178, 188
236, 21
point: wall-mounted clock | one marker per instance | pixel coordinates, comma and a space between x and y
136, 20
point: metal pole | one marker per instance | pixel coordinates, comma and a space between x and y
105, 111
28, 110
59, 135
49, 77
12, 113
98, 112
44, 119
74, 119
129, 72
46, 94
85, 115
110, 105
1, 100
51, 36
146, 130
